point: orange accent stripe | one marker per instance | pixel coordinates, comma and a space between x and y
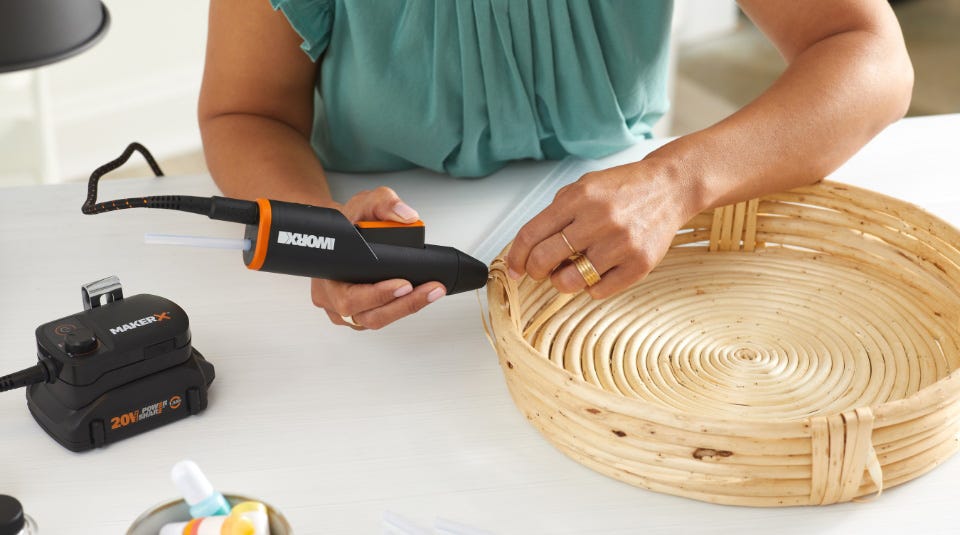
387, 224
263, 235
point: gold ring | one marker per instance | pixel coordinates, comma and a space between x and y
349, 320
573, 252
586, 269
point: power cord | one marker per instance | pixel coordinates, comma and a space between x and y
44, 371
221, 208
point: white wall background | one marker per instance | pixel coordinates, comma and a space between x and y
139, 83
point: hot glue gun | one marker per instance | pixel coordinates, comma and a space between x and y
313, 241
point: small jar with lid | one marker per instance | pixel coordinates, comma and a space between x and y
13, 521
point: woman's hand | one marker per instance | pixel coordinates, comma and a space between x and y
372, 306
848, 76
622, 219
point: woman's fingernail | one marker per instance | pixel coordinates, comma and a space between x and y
403, 290
435, 294
512, 274
405, 212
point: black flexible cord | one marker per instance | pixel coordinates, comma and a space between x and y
90, 205
199, 205
222, 208
41, 372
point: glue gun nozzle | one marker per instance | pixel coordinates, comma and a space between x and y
472, 274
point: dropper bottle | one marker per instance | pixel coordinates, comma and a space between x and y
13, 521
197, 491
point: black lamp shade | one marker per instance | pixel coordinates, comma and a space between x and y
38, 32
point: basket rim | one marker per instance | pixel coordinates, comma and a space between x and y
940, 393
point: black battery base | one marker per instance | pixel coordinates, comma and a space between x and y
126, 410
120, 367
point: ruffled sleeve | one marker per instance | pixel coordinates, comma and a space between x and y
312, 20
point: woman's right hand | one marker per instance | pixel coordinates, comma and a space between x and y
372, 306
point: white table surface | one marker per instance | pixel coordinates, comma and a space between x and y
333, 426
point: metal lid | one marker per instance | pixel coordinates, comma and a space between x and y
11, 515
38, 32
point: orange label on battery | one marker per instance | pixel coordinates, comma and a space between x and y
148, 411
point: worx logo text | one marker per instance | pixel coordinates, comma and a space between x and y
305, 240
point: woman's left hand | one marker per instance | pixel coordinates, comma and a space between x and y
621, 219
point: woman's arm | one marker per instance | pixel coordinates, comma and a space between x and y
256, 116
256, 106
848, 77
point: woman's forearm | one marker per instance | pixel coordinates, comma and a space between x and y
833, 98
256, 106
252, 156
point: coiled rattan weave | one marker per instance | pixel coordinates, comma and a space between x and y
797, 349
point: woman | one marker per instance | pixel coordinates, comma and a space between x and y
464, 86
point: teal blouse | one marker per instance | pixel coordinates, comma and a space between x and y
465, 86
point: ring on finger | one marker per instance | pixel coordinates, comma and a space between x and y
349, 321
586, 269
573, 252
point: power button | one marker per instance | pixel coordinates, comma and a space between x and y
64, 329
79, 342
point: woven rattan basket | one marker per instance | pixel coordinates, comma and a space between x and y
797, 349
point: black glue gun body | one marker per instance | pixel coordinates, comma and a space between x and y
313, 241
320, 242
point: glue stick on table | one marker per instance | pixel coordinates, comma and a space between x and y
197, 491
